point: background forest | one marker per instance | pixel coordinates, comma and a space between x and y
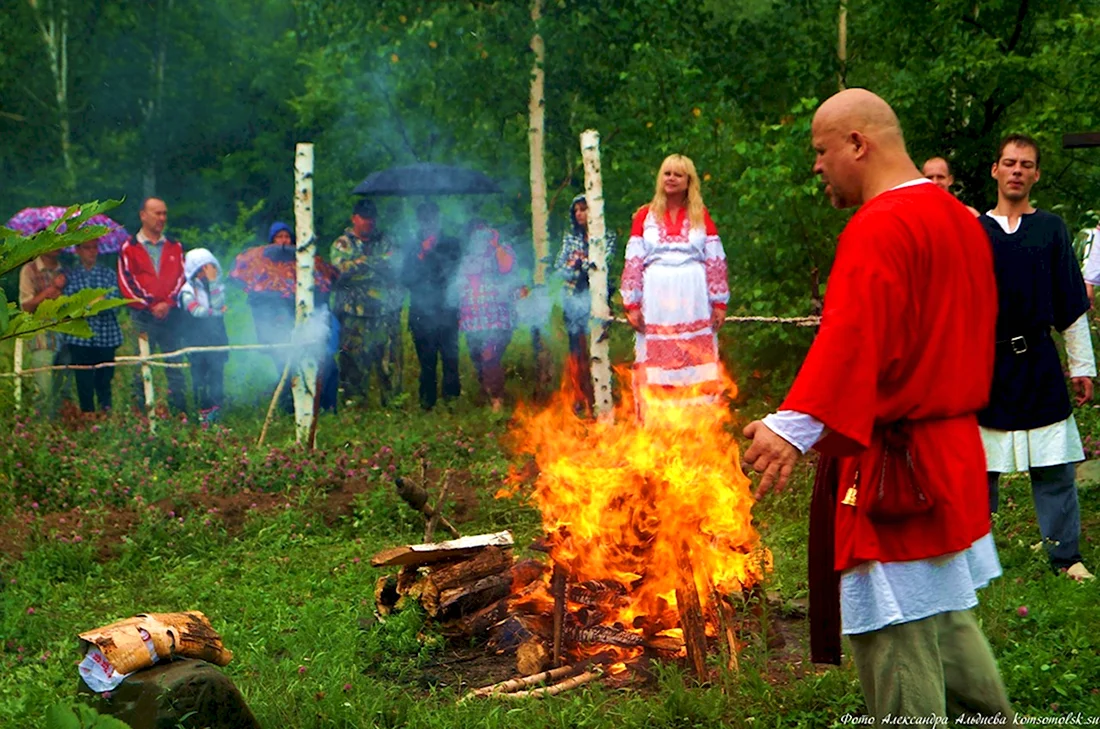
201, 101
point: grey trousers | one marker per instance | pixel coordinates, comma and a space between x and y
1054, 490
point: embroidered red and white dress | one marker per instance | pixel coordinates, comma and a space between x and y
675, 274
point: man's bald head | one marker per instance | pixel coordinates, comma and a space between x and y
862, 111
858, 140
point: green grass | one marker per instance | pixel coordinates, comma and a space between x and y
290, 587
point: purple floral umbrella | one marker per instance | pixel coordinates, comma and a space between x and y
33, 220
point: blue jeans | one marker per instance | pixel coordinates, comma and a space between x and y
1054, 491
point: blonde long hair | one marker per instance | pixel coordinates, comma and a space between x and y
659, 204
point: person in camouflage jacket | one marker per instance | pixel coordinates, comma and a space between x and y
367, 305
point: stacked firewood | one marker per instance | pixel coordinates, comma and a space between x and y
473, 587
455, 582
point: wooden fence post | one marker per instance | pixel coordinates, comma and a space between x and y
147, 381
17, 369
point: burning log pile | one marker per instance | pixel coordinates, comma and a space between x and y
648, 532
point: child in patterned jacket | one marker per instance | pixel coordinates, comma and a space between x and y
202, 299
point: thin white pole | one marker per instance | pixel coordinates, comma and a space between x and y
147, 381
304, 383
17, 369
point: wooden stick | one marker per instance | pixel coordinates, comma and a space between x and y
725, 623
514, 684
691, 612
274, 401
557, 589
417, 498
569, 683
433, 518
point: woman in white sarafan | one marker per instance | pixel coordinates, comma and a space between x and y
675, 291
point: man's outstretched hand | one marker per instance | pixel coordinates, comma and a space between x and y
771, 455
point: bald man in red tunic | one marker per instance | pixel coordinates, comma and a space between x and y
889, 394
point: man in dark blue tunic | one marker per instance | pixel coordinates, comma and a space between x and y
1029, 422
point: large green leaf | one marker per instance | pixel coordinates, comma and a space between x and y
64, 314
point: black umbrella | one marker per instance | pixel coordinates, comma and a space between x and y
426, 178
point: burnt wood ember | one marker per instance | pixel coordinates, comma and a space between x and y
594, 593
576, 634
416, 555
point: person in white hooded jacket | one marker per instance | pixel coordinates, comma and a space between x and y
202, 300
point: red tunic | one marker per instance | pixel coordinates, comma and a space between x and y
907, 334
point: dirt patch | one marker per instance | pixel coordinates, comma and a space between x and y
101, 529
105, 528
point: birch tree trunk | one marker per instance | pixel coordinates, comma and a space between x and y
600, 312
53, 25
540, 233
537, 139
304, 384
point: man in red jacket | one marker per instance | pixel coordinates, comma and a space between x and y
150, 270
889, 394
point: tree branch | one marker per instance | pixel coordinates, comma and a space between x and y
1021, 14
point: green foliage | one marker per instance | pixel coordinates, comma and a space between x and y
61, 716
65, 313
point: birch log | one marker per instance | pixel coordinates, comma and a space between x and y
600, 316
17, 369
147, 381
305, 375
537, 140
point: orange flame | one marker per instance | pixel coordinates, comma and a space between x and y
622, 502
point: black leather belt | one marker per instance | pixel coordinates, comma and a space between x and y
1021, 342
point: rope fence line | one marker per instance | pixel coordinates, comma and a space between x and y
117, 363
798, 321
130, 360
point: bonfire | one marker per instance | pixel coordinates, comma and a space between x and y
648, 524
648, 528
